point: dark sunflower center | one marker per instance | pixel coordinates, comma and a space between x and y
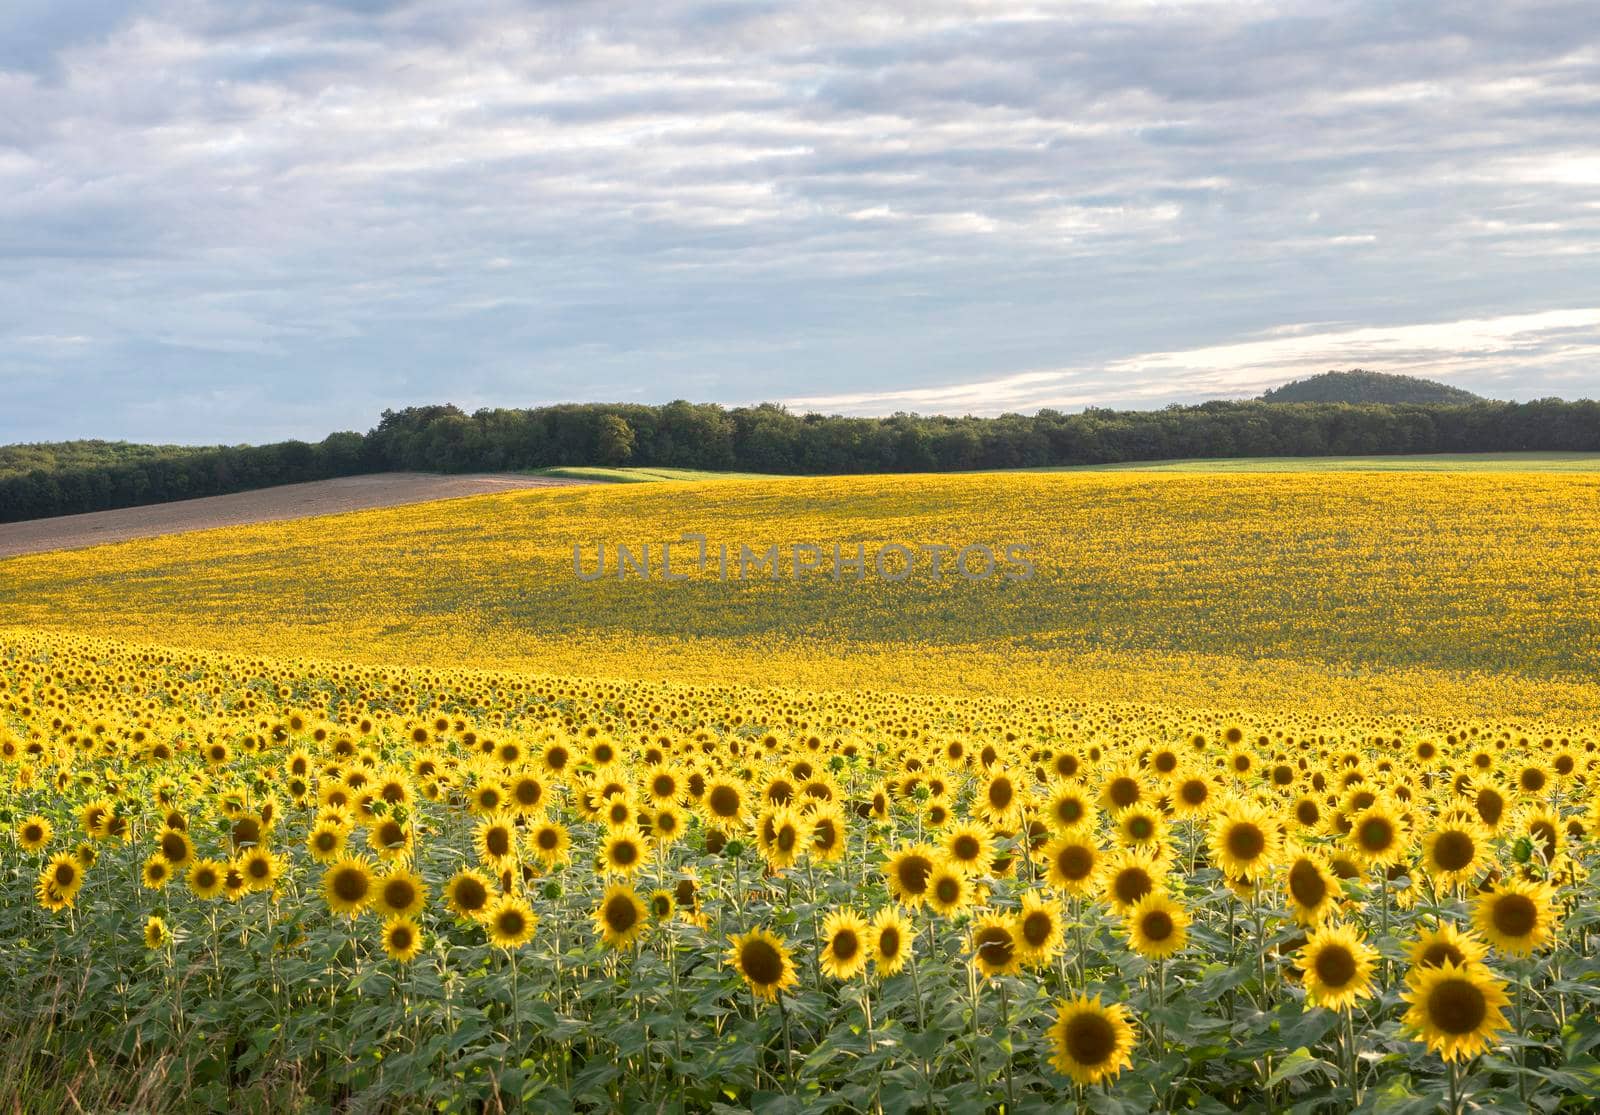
888, 942
174, 847
498, 841
1194, 792
511, 923
1490, 806
549, 840
1157, 925
1453, 850
1545, 834
1075, 862
350, 884
663, 786
624, 853
913, 873
1336, 966
1036, 928
846, 944
724, 801
1133, 884
1307, 813
965, 847
786, 838
948, 890
760, 962
1124, 791
621, 915
995, 945
1515, 915
1533, 780
65, 874
1246, 841
1437, 953
327, 840
399, 894
1090, 1039
400, 938
1308, 885
1377, 834
1141, 828
1001, 793
825, 835
391, 834
471, 895
1456, 1006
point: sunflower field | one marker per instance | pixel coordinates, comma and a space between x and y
239, 881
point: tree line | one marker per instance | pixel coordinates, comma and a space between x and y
769, 438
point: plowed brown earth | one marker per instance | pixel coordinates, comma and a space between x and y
288, 501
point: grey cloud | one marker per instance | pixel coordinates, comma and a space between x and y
282, 217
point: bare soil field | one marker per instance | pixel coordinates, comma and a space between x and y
266, 505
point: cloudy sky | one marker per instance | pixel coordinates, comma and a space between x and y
241, 220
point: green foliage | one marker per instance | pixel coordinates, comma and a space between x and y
1359, 386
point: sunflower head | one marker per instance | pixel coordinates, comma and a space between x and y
1458, 1010
510, 921
1157, 927
1338, 967
402, 939
469, 893
621, 916
1517, 916
993, 944
1090, 1042
845, 941
891, 941
763, 961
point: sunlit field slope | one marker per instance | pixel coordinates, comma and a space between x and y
1406, 592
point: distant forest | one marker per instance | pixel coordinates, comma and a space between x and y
768, 438
1359, 386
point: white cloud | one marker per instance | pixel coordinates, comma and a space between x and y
1482, 348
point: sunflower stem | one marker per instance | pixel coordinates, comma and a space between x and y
788, 1044
1005, 1030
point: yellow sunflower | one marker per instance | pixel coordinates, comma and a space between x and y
908, 871
469, 893
346, 885
846, 937
620, 917
207, 878
1311, 887
1090, 1042
993, 945
949, 892
1157, 927
1459, 1011
1517, 917
402, 939
763, 961
34, 832
1041, 928
1447, 944
1338, 967
400, 893
550, 843
1244, 841
510, 922
891, 941
1073, 862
